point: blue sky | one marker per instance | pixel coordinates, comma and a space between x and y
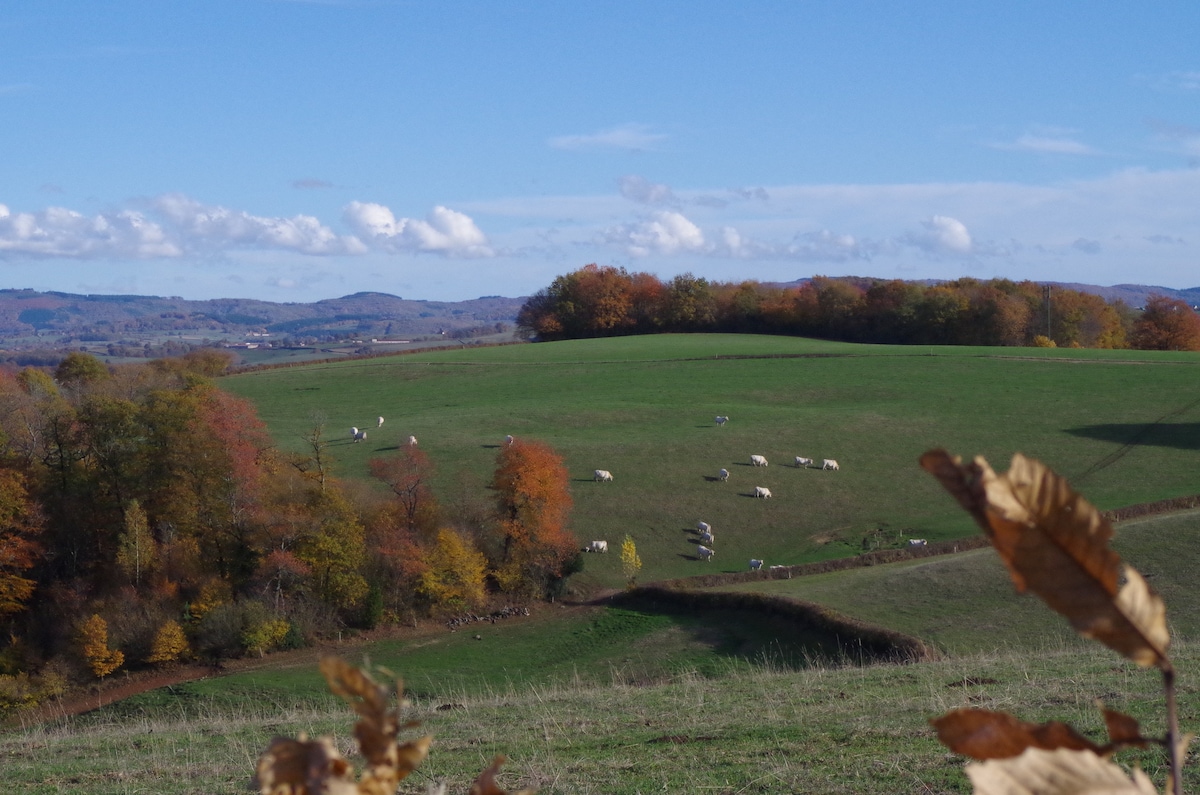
294, 151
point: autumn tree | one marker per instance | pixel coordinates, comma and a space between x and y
135, 547
20, 525
407, 474
169, 644
333, 547
1167, 324
533, 502
93, 645
454, 573
631, 562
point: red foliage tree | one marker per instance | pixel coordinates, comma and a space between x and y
1167, 324
534, 503
20, 523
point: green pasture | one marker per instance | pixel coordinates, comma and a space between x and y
1123, 425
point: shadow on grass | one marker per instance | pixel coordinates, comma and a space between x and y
1179, 435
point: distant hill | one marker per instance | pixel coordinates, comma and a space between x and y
52, 316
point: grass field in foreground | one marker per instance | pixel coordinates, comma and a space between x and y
824, 730
1124, 425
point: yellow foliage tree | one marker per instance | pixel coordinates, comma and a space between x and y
265, 636
93, 644
455, 572
136, 548
631, 563
169, 644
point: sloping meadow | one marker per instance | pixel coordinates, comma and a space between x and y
1124, 427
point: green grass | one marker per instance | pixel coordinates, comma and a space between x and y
642, 407
826, 730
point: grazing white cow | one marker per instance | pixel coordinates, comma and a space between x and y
803, 462
918, 542
706, 537
380, 425
597, 546
723, 475
412, 441
829, 463
509, 439
703, 527
758, 461
763, 492
722, 420
357, 435
755, 564
704, 552
602, 476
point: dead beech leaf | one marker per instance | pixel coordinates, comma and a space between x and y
1058, 772
486, 783
1122, 729
299, 767
983, 734
1055, 543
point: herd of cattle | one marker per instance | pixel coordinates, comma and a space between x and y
704, 546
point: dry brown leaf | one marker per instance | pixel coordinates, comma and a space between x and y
1059, 772
1122, 729
486, 783
303, 767
983, 734
1055, 543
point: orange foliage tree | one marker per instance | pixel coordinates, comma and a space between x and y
20, 523
1167, 324
93, 644
534, 502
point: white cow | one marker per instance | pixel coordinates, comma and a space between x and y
803, 462
758, 461
597, 546
763, 492
703, 527
723, 475
706, 537
829, 463
602, 476
755, 564
722, 420
412, 441
917, 542
380, 425
357, 435
704, 552
509, 439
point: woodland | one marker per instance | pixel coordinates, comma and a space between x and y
601, 301
146, 518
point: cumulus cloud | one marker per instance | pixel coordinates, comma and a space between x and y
643, 191
632, 137
444, 231
942, 234
825, 246
210, 226
664, 233
58, 232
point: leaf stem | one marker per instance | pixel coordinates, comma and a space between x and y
1173, 745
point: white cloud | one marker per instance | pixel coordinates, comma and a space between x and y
664, 233
942, 235
1048, 144
444, 231
59, 232
213, 227
633, 137
643, 191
